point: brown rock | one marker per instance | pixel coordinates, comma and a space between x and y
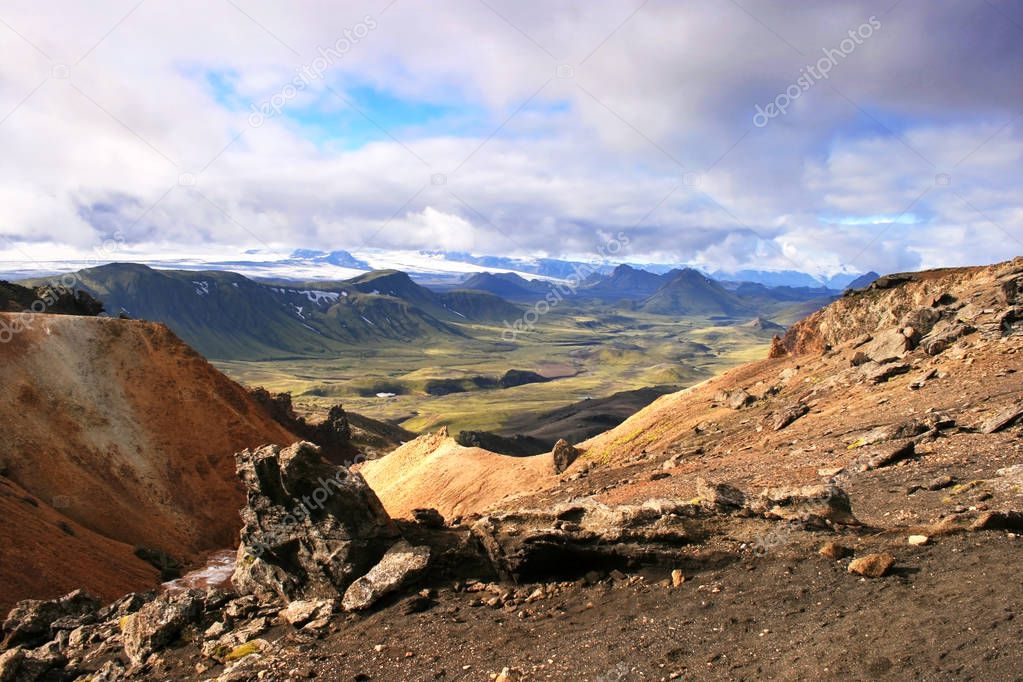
834, 551
872, 565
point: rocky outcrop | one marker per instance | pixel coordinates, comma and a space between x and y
333, 434
930, 305
31, 622
818, 506
310, 528
582, 535
400, 566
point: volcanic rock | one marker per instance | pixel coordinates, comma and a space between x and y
310, 527
159, 623
30, 621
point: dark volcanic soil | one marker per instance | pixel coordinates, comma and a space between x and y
948, 611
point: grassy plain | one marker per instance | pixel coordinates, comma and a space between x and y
587, 352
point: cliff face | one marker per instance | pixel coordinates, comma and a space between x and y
115, 435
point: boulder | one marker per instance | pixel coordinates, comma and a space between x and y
564, 455
400, 566
872, 565
310, 528
29, 622
159, 623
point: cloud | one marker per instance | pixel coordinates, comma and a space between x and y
516, 128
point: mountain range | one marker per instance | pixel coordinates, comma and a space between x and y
226, 315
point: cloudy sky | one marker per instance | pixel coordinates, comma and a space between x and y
725, 133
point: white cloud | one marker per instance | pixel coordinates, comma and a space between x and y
671, 91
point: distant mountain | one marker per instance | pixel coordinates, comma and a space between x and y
506, 285
689, 292
342, 259
228, 316
624, 282
863, 280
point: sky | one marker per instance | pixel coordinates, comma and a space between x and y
726, 134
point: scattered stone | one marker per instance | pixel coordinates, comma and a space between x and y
677, 578
1004, 419
298, 613
564, 455
719, 494
310, 527
788, 416
919, 540
429, 518
939, 483
834, 551
830, 472
658, 475
400, 566
872, 565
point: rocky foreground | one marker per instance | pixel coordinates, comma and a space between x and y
851, 508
